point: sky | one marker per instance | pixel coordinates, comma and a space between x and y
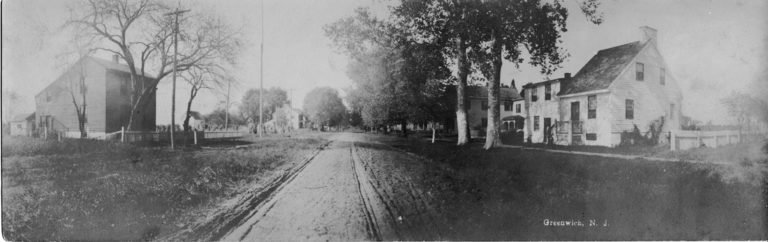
712, 48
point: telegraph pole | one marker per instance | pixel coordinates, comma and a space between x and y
226, 110
261, 76
175, 63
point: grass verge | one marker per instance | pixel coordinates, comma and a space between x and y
95, 190
509, 194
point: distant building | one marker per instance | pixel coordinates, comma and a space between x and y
477, 108
196, 121
108, 89
541, 108
23, 125
619, 88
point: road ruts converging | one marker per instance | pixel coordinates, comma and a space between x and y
348, 191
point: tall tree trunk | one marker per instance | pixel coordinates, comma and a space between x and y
404, 127
192, 94
492, 138
462, 126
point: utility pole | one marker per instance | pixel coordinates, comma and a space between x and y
175, 64
226, 110
261, 76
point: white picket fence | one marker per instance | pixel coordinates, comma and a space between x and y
685, 139
192, 136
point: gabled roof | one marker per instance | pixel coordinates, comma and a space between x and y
196, 115
111, 65
602, 69
23, 117
529, 85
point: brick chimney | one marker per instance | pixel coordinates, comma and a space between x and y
647, 34
116, 58
567, 75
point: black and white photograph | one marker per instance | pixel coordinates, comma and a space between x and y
384, 120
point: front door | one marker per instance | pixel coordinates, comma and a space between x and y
575, 125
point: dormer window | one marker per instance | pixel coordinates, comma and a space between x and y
639, 71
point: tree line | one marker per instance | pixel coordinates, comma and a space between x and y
402, 64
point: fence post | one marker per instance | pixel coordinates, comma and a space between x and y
122, 134
194, 132
698, 138
673, 140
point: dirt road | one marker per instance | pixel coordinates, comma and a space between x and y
347, 191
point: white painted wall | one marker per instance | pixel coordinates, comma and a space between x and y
651, 99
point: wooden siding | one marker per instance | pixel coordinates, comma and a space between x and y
599, 125
60, 106
106, 106
651, 99
542, 108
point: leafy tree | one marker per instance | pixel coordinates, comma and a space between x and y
273, 99
324, 106
484, 34
511, 31
452, 25
218, 117
392, 72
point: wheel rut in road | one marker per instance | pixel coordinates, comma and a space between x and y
352, 189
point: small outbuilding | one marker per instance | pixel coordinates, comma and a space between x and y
23, 125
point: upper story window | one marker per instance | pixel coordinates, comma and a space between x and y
534, 95
484, 105
547, 91
47, 96
630, 109
639, 71
517, 108
662, 76
591, 106
507, 106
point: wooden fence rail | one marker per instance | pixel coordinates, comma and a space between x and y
685, 139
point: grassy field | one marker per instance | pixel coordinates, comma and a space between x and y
509, 194
95, 190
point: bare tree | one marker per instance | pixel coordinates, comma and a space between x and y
77, 88
140, 34
199, 78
